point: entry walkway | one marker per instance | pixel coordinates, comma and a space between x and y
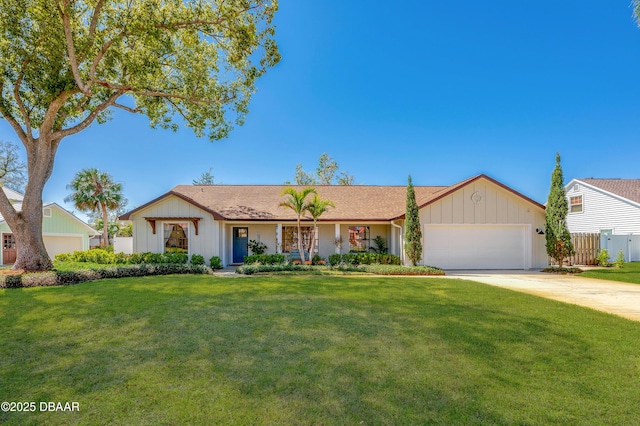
608, 296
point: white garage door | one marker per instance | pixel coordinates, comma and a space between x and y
58, 244
476, 246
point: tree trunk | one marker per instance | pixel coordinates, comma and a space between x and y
105, 227
26, 224
31, 252
560, 251
312, 242
300, 247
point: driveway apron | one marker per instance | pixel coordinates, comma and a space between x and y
608, 296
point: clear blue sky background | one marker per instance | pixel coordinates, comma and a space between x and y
440, 90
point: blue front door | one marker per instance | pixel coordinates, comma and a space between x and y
240, 244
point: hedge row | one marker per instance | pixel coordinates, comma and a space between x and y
104, 257
363, 259
265, 259
370, 269
51, 278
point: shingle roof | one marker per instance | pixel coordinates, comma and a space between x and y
627, 188
356, 202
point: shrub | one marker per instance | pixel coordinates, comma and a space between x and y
619, 260
39, 279
175, 258
153, 258
257, 247
380, 245
402, 270
603, 258
284, 267
62, 257
215, 262
197, 259
335, 259
316, 258
265, 259
355, 259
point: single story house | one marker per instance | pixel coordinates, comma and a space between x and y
610, 207
478, 223
62, 232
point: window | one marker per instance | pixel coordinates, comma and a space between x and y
359, 238
576, 187
290, 238
46, 212
176, 237
575, 204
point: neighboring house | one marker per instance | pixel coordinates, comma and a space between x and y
604, 205
478, 223
610, 207
62, 232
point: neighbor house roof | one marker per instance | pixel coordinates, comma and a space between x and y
352, 203
626, 188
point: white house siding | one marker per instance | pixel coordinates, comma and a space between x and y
496, 206
601, 210
205, 243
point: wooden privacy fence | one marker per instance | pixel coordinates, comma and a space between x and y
586, 246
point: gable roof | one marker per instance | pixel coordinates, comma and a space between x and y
353, 203
626, 188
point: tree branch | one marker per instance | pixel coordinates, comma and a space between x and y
94, 20
73, 61
158, 94
18, 98
52, 111
24, 138
126, 108
90, 118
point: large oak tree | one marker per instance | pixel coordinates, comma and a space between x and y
65, 64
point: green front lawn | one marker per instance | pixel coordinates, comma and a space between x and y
629, 273
313, 350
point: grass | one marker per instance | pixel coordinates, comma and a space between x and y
629, 273
313, 350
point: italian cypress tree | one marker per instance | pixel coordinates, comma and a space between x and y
412, 232
557, 234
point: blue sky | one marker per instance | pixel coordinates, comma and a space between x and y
439, 90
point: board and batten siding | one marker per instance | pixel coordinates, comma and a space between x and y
206, 243
602, 210
493, 205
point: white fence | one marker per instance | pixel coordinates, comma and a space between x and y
629, 244
123, 245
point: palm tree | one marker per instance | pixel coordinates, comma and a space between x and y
297, 202
316, 208
95, 191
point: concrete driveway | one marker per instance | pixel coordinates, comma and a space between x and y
608, 296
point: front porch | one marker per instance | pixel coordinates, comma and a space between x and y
330, 238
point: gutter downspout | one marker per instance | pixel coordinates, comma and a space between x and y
401, 241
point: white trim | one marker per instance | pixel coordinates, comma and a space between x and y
160, 233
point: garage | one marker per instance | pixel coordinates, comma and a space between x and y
62, 244
477, 246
